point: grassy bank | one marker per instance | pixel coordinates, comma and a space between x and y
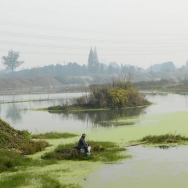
13, 161
74, 109
30, 179
19, 141
167, 86
101, 151
15, 145
165, 139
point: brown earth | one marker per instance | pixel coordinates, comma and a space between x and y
28, 86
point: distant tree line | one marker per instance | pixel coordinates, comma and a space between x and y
72, 69
92, 68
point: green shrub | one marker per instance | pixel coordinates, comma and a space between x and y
33, 147
120, 94
10, 159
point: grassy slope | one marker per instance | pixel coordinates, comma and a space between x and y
18, 140
10, 137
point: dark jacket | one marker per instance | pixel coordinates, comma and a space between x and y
82, 144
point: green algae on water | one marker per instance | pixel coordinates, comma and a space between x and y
53, 135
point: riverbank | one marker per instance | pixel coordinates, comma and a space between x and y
163, 86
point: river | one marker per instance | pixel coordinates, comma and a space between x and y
21, 115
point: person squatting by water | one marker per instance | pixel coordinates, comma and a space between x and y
83, 145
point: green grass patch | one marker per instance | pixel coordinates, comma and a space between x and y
14, 181
100, 151
12, 161
32, 147
166, 138
64, 108
26, 179
53, 135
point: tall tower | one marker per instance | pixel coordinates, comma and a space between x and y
93, 62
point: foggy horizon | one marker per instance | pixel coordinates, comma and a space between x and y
139, 33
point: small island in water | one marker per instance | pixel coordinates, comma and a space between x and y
118, 94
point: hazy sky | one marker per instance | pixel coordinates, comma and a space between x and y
137, 32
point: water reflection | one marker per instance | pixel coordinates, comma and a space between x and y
104, 117
165, 147
156, 93
13, 98
14, 113
18, 117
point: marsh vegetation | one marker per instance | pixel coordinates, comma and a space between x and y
13, 161
29, 179
101, 151
165, 139
119, 94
